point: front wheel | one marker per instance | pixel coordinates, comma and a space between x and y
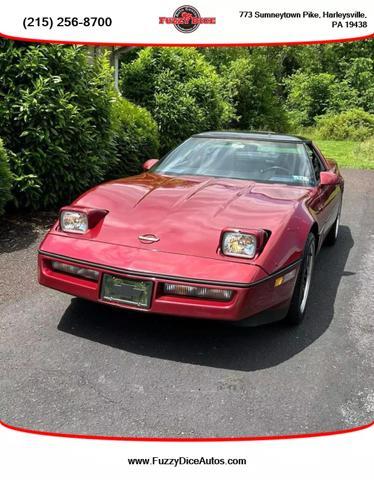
300, 295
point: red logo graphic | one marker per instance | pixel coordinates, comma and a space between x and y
186, 19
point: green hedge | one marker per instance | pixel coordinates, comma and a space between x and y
5, 178
136, 137
55, 116
355, 124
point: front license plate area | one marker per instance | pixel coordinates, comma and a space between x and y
125, 290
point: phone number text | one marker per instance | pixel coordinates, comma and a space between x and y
49, 22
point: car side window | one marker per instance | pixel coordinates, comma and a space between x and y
316, 162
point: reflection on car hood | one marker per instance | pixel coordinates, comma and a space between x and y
188, 214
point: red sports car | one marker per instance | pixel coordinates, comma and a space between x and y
226, 227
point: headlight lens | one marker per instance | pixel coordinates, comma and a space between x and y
73, 221
237, 244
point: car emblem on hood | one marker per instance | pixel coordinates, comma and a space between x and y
148, 238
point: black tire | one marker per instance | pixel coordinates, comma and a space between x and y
300, 295
332, 236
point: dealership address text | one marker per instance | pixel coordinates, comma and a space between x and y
356, 19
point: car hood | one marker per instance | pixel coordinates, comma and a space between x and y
188, 214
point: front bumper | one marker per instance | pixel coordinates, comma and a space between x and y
250, 299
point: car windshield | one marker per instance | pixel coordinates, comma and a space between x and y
258, 160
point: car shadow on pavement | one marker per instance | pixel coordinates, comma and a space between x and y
210, 343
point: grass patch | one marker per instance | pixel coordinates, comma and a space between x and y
342, 151
348, 153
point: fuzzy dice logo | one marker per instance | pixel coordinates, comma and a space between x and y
186, 19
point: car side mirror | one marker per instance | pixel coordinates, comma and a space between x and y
328, 178
148, 164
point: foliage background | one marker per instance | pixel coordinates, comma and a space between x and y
64, 127
182, 91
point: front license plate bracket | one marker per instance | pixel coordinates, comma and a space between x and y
128, 291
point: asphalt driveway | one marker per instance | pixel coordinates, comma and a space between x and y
71, 366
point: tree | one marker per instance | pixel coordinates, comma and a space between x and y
221, 57
308, 96
255, 94
359, 75
182, 91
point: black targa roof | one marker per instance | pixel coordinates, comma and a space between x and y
260, 136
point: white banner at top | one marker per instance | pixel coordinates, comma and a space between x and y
203, 22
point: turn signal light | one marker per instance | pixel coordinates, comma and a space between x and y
200, 292
76, 271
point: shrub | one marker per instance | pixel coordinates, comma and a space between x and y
355, 124
255, 94
182, 91
55, 116
5, 178
139, 78
182, 109
136, 137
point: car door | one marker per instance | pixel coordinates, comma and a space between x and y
326, 201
